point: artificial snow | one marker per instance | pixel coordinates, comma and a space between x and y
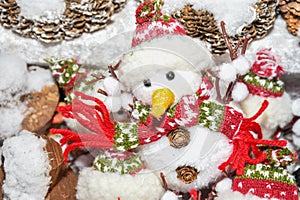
37, 8
283, 43
234, 13
11, 119
98, 49
12, 74
26, 167
38, 78
115, 39
15, 83
95, 185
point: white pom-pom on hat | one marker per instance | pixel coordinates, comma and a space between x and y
239, 92
227, 72
241, 64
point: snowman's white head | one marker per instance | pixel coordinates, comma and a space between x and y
170, 65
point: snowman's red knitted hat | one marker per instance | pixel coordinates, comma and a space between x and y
263, 78
151, 23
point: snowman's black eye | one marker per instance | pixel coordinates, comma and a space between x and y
170, 75
147, 83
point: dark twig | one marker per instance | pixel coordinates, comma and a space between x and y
117, 65
232, 52
164, 182
112, 69
244, 47
100, 91
97, 78
233, 55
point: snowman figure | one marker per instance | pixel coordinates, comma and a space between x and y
263, 83
174, 128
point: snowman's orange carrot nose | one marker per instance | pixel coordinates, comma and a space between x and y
162, 99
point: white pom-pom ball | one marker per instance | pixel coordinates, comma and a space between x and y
169, 196
112, 86
241, 64
239, 92
224, 185
227, 72
296, 107
296, 127
113, 103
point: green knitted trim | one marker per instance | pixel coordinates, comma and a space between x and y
273, 85
66, 68
171, 111
211, 115
141, 111
284, 157
114, 165
265, 172
126, 136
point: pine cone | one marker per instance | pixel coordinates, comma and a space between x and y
290, 9
179, 138
265, 17
118, 5
23, 27
79, 17
187, 174
201, 24
9, 12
